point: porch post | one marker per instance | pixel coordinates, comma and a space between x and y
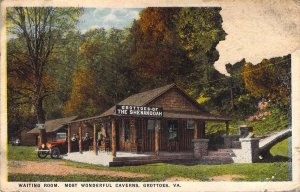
202, 134
80, 138
69, 138
227, 127
156, 138
94, 139
113, 137
196, 130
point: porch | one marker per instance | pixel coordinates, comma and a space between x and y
126, 158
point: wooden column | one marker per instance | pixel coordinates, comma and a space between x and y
69, 139
156, 138
133, 133
80, 138
196, 130
227, 127
203, 129
95, 138
113, 138
143, 134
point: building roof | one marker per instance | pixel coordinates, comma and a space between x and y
54, 125
144, 98
180, 115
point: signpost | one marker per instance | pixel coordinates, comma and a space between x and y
126, 110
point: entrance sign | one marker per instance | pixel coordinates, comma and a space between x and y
139, 111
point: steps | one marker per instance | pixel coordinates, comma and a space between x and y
141, 160
220, 156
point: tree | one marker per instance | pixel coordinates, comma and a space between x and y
40, 29
104, 76
200, 30
157, 55
270, 79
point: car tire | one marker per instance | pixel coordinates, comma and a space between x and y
55, 153
42, 154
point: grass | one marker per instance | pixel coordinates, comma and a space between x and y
81, 178
162, 171
280, 149
23, 153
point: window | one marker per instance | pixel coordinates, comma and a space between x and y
190, 124
172, 126
126, 129
150, 124
61, 136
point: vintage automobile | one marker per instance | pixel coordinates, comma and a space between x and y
59, 147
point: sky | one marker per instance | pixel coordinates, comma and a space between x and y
107, 18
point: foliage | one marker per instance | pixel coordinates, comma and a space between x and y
103, 77
156, 48
39, 30
270, 79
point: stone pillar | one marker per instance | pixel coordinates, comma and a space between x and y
157, 126
227, 141
113, 138
200, 148
69, 139
249, 150
95, 139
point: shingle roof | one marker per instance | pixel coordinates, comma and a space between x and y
180, 115
55, 124
143, 98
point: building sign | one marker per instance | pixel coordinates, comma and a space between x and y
139, 111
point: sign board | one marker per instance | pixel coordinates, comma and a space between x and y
40, 126
131, 110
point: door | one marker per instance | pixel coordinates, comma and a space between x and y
172, 126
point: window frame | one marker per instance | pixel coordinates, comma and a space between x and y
187, 124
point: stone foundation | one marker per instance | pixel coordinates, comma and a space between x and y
200, 148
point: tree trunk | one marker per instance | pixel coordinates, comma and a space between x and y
40, 115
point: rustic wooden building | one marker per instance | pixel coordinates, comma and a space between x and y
53, 128
165, 119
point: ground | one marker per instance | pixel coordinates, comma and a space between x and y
25, 166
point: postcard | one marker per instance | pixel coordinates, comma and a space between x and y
144, 96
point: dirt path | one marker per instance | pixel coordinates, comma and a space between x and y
226, 177
60, 168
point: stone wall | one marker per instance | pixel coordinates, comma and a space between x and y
200, 148
248, 152
231, 141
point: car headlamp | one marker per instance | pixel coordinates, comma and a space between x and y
43, 145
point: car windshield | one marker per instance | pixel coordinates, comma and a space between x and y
61, 136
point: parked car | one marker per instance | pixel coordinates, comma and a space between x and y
56, 148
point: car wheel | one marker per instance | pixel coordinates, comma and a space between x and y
42, 154
55, 153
